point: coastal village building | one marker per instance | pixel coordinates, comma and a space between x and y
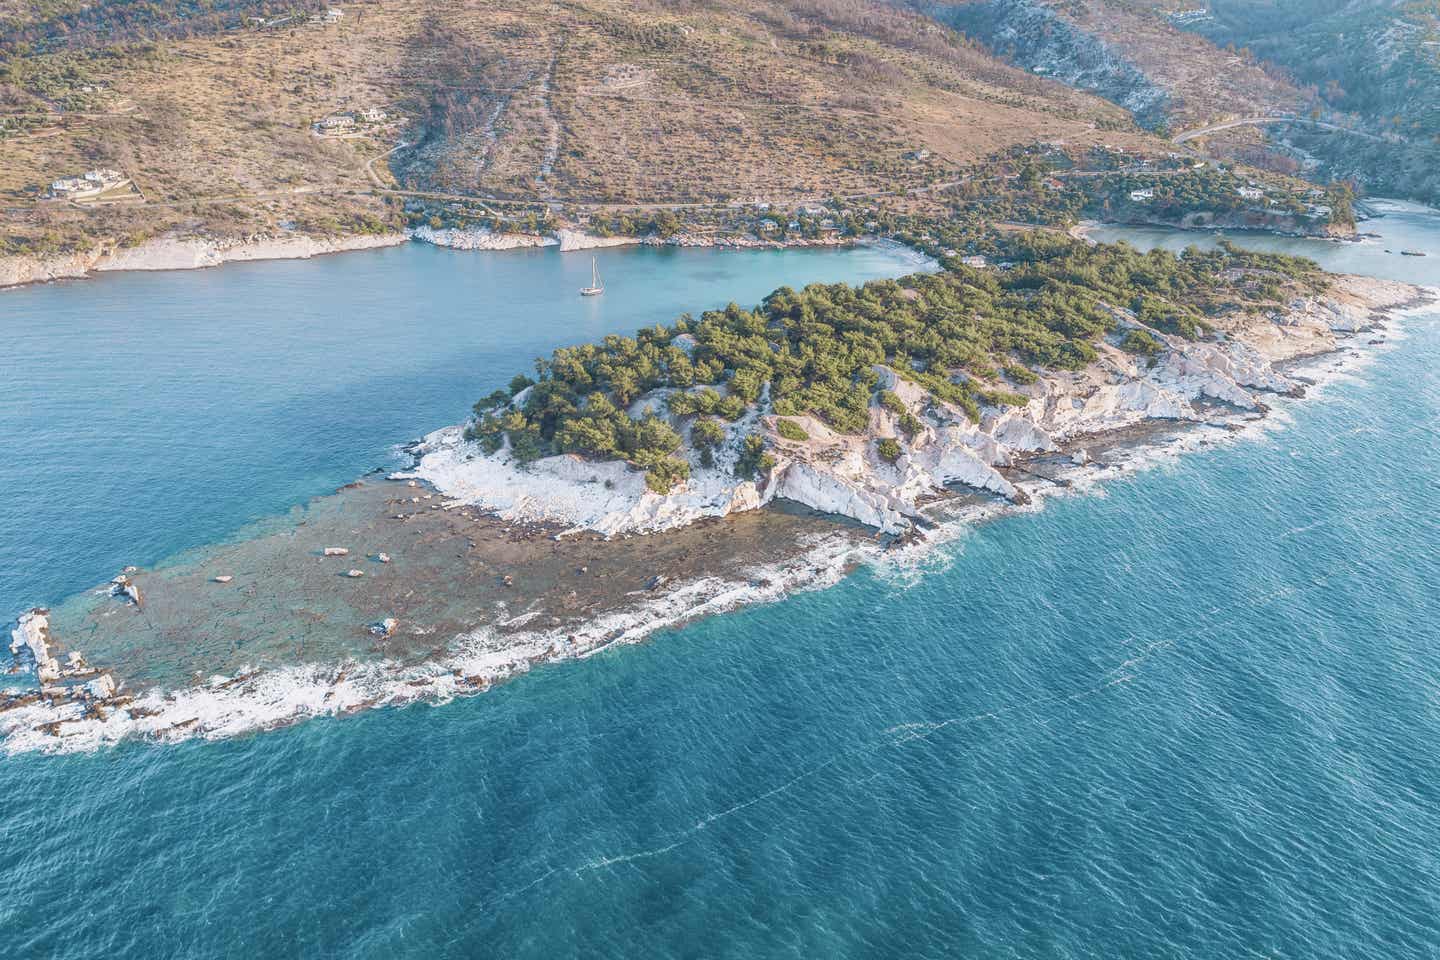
1191, 16
89, 184
336, 123
1142, 196
1250, 193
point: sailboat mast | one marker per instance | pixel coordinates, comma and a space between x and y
596, 287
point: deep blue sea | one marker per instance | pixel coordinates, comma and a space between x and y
1197, 716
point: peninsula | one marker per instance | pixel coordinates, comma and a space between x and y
618, 486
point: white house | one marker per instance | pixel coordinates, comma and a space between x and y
1142, 196
334, 15
373, 115
1250, 193
89, 184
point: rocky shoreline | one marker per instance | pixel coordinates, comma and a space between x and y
453, 596
182, 253
569, 240
193, 253
845, 475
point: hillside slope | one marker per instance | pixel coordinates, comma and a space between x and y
1126, 54
1376, 60
581, 102
1367, 66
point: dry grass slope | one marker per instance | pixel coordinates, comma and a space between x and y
574, 101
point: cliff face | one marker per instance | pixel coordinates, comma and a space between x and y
845, 474
1032, 35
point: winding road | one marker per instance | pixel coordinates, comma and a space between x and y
1262, 121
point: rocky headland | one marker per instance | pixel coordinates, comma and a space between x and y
846, 475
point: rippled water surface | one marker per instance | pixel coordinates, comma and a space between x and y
146, 413
1198, 716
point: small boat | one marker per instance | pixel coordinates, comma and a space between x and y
597, 286
1412, 253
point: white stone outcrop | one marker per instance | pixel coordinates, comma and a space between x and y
608, 497
32, 633
571, 240
477, 238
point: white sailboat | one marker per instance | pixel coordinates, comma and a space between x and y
597, 286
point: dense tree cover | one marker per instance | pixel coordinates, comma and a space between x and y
1371, 58
964, 334
1211, 190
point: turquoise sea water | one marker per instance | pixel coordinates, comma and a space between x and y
143, 413
1196, 717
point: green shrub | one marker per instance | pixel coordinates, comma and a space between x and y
1018, 374
753, 458
1141, 342
790, 430
891, 401
889, 449
707, 434
665, 472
